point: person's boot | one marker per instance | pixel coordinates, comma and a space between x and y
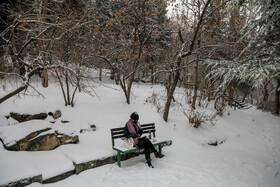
158, 155
150, 163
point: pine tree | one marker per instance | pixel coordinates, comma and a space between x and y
259, 61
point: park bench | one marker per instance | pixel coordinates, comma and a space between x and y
149, 129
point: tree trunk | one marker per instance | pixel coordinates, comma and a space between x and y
181, 78
73, 96
171, 92
67, 89
216, 101
152, 74
20, 89
126, 87
195, 84
117, 80
139, 76
252, 99
79, 78
230, 95
265, 93
45, 82
13, 93
100, 73
210, 90
112, 75
244, 97
277, 96
2, 66
129, 86
62, 89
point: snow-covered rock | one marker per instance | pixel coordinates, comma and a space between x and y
35, 135
90, 129
27, 117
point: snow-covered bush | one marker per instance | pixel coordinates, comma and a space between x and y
200, 118
155, 99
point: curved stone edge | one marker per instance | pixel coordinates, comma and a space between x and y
24, 182
59, 177
100, 162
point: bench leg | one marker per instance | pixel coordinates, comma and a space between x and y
119, 158
159, 149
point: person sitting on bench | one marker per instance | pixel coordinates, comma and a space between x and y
133, 130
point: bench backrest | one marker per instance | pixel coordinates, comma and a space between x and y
119, 132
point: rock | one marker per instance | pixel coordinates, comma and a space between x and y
216, 142
36, 135
48, 141
57, 114
26, 117
4, 121
92, 128
25, 143
67, 139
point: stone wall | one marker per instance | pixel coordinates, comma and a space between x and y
78, 169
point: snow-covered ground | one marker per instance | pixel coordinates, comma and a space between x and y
249, 157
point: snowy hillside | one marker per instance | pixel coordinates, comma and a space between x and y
249, 155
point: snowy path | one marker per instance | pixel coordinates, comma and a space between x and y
275, 151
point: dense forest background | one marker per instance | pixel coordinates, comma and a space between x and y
226, 51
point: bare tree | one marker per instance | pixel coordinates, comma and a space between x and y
34, 36
126, 35
186, 49
23, 32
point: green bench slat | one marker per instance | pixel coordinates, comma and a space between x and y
119, 132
